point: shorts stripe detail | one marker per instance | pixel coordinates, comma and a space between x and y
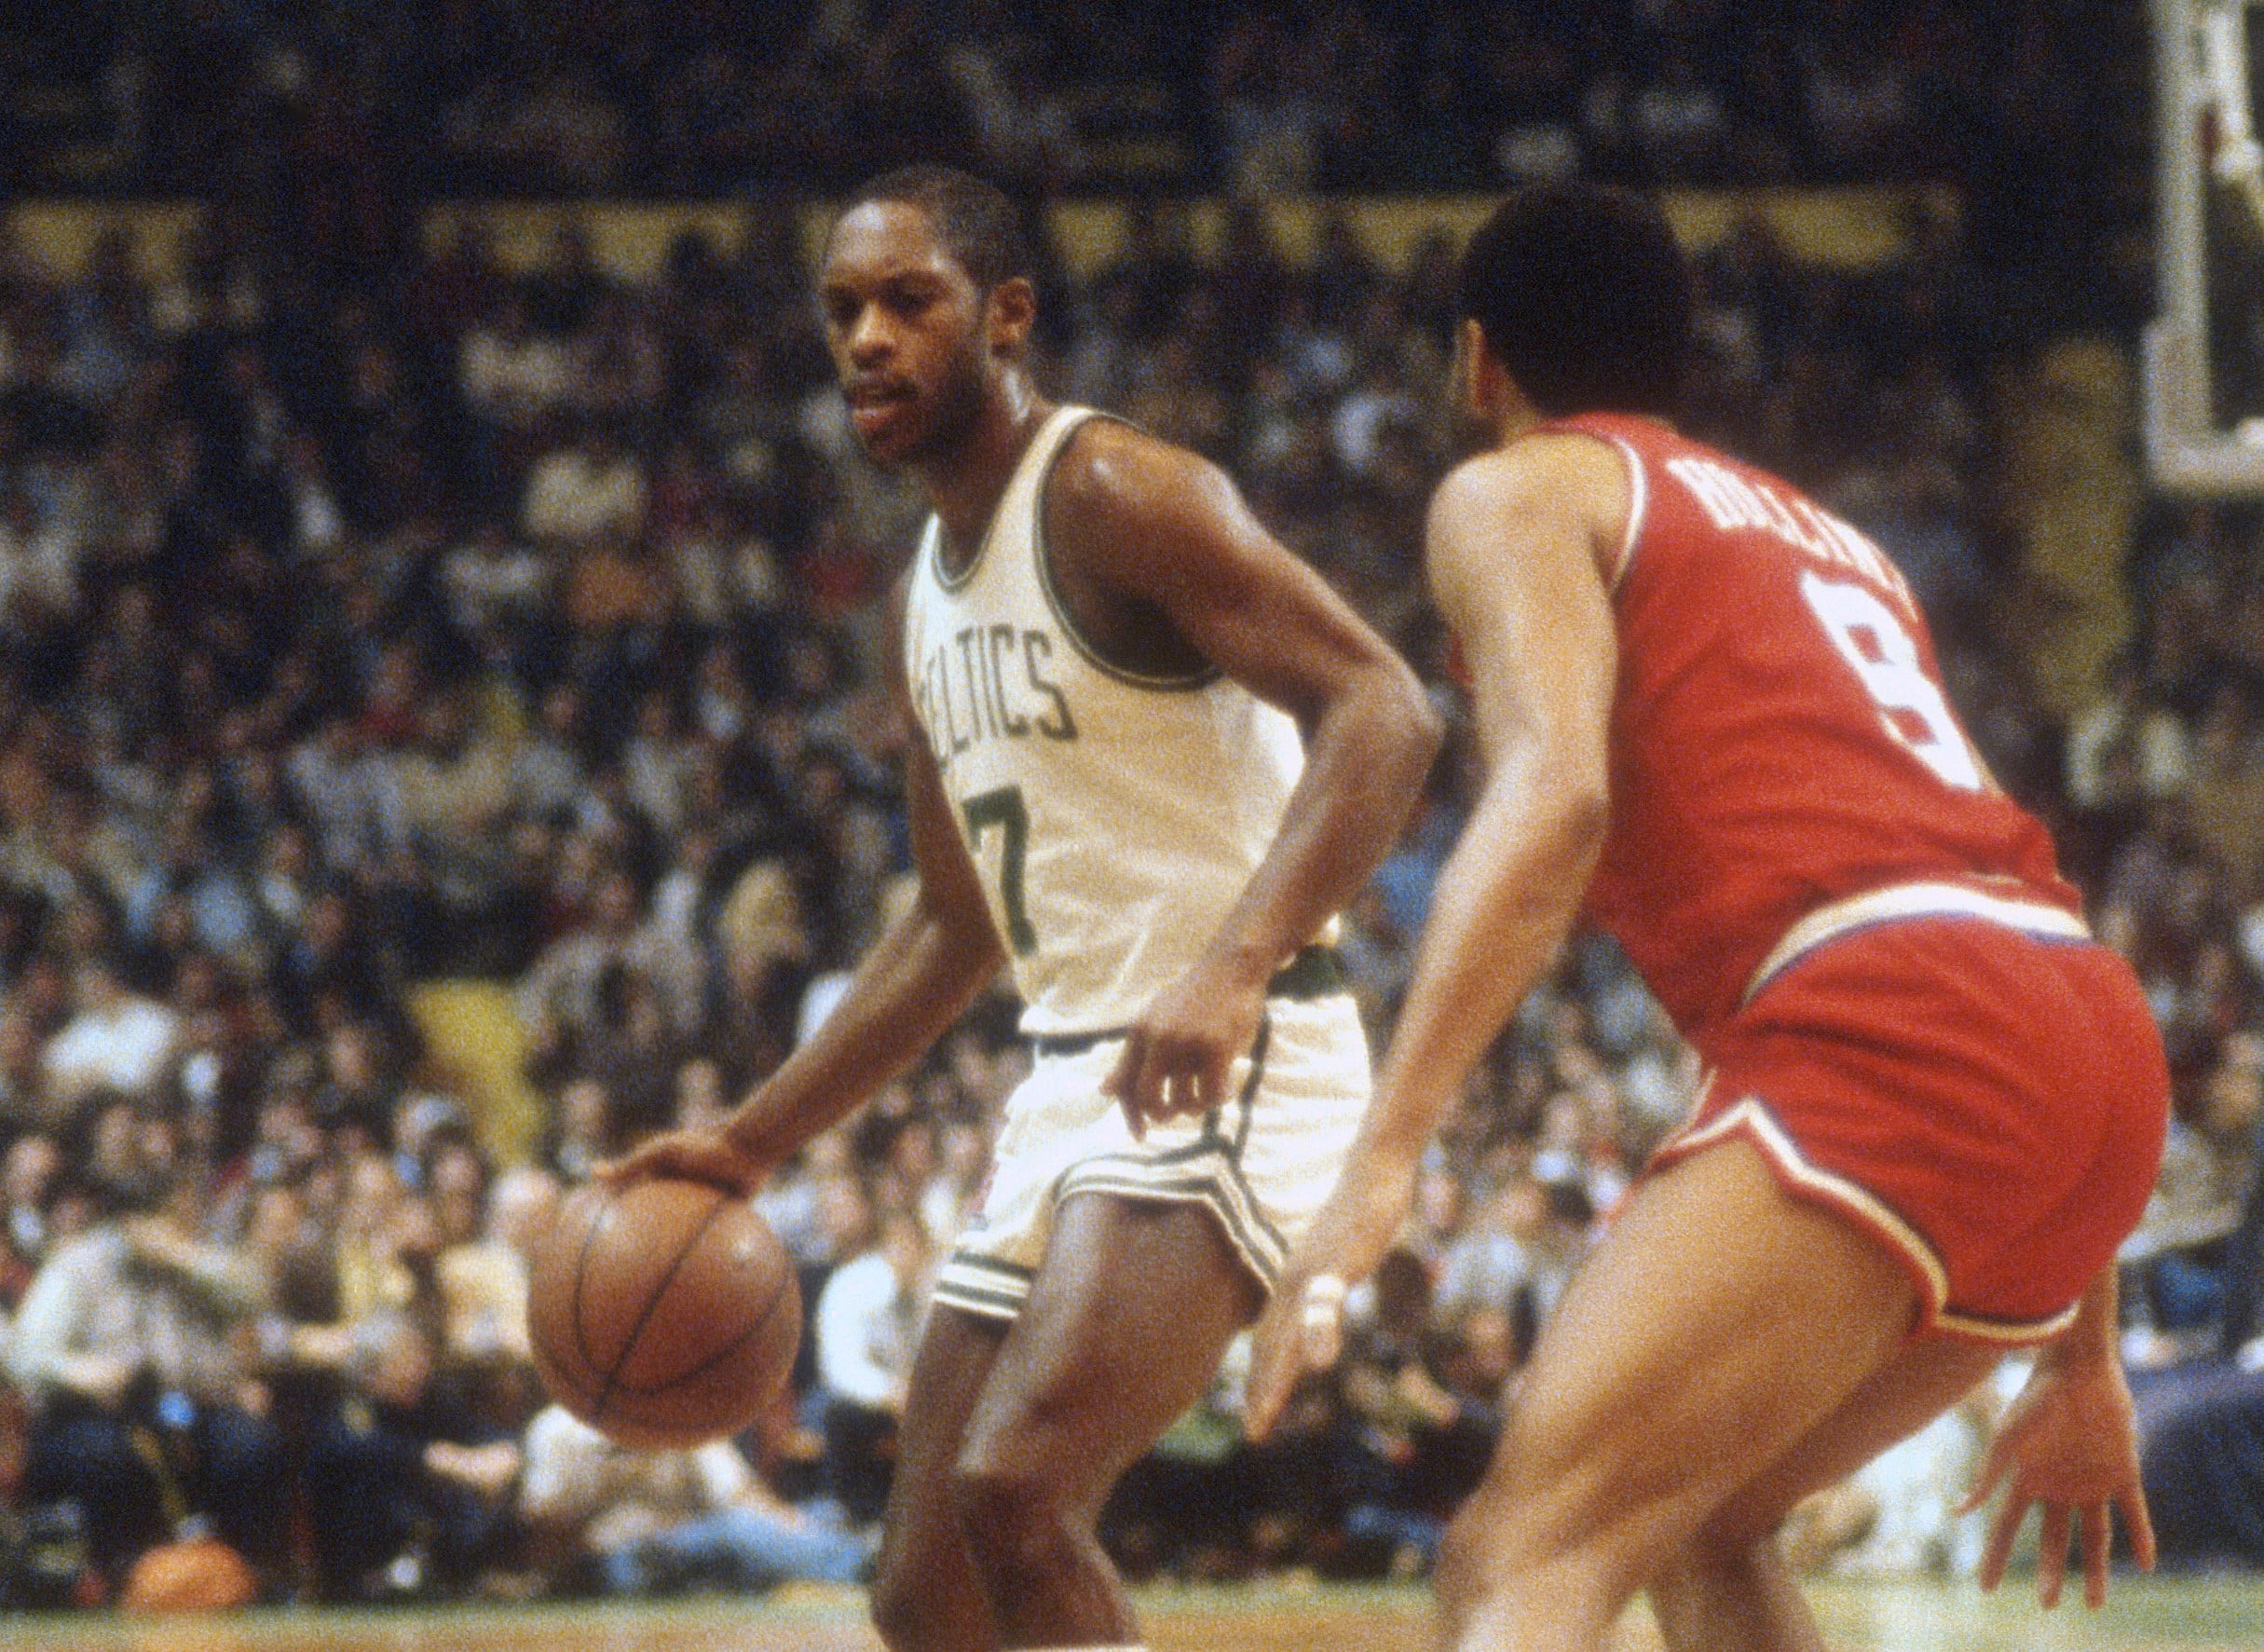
982, 1303
1210, 1190
1016, 1274
984, 1284
1217, 1194
1639, 500
1248, 1097
1234, 1185
1913, 900
1752, 1120
2013, 1332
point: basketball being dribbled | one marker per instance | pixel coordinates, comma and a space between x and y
663, 1313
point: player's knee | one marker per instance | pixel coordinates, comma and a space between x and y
1721, 1562
1733, 1539
1012, 1515
908, 1614
1703, 1565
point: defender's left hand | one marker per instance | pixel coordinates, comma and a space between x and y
2068, 1443
1176, 1056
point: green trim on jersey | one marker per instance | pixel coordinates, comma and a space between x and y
946, 581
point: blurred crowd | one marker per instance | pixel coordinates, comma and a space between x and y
478, 96
349, 112
373, 615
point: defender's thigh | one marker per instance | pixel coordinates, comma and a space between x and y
925, 1595
1728, 1590
1123, 1330
1918, 1384
1717, 1323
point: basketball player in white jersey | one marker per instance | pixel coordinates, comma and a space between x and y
1154, 755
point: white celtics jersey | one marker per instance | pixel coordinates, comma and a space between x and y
1115, 818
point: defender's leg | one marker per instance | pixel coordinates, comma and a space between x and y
1728, 1590
1718, 1323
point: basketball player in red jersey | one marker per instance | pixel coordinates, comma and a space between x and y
1931, 1106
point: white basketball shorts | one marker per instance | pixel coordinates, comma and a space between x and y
1261, 1163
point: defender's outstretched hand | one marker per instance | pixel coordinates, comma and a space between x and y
693, 1156
2070, 1443
1301, 1329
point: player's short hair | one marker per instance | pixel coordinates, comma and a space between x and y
1585, 298
977, 222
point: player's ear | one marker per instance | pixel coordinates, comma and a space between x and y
1011, 313
1476, 379
1468, 363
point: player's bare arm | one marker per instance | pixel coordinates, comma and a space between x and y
1149, 539
2069, 1446
918, 978
1516, 544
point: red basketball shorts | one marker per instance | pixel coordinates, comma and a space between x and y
1990, 1105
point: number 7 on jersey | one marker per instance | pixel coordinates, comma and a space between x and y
1005, 809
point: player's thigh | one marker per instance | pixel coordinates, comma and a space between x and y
1718, 1321
922, 1540
1125, 1322
1727, 1587
1924, 1380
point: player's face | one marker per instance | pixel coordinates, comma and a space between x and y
907, 326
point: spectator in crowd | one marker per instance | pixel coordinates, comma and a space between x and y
125, 1344
1410, 1447
118, 1041
409, 1505
642, 1522
867, 1327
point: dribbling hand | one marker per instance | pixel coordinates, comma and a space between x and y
2069, 1444
706, 1156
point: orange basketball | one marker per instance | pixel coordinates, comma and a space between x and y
664, 1313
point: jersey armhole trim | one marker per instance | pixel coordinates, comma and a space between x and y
931, 546
1639, 500
1078, 640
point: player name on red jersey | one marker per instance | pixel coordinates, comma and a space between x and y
1732, 501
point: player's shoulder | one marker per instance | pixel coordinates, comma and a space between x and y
1112, 475
1549, 470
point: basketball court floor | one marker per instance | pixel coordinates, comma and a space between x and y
2143, 1616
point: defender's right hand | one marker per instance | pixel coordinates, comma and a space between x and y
2068, 1445
690, 1156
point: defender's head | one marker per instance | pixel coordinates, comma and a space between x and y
1572, 297
927, 300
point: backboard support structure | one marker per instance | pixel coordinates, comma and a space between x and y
2203, 401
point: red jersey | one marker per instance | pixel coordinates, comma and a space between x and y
1784, 764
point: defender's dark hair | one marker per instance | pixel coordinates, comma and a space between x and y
1585, 298
977, 222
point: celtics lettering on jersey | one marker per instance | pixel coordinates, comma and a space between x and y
989, 682
1111, 819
